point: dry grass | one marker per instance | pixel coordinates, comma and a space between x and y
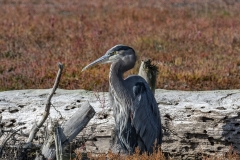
158, 155
195, 44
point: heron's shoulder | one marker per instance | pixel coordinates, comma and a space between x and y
135, 78
138, 84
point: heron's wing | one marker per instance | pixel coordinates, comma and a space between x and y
146, 116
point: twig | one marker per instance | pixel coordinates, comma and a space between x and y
61, 117
101, 101
5, 141
37, 125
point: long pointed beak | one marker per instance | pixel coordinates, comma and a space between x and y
101, 60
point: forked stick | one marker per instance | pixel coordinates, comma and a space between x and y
39, 124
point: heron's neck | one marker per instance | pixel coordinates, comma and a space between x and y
121, 98
117, 82
116, 74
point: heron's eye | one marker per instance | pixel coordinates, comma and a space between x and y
113, 53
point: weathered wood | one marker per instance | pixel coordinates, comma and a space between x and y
199, 122
195, 122
149, 72
69, 130
1, 132
58, 143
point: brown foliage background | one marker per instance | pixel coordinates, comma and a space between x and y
195, 44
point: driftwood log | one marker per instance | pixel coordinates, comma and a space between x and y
205, 122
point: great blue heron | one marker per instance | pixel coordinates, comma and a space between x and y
135, 110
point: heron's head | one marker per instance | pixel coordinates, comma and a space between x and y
116, 53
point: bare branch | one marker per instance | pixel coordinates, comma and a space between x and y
37, 125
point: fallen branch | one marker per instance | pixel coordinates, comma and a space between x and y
39, 124
69, 130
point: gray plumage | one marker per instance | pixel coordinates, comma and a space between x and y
136, 113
